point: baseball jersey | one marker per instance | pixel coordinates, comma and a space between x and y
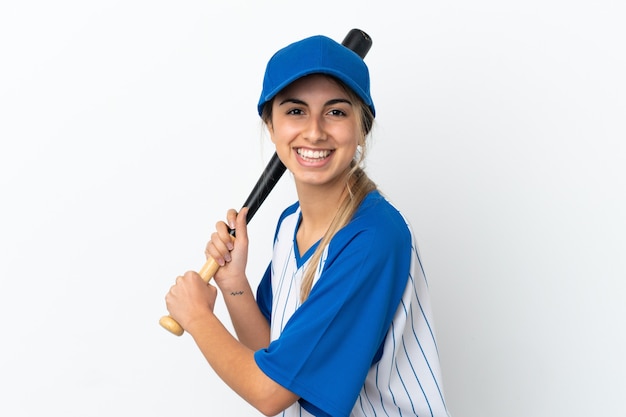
362, 344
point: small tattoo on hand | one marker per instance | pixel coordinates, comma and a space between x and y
236, 293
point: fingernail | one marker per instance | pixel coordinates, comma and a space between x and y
227, 257
230, 246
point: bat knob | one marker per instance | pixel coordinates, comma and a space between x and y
171, 325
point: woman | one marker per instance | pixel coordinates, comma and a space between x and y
341, 323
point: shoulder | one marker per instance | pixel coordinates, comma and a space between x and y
378, 216
378, 229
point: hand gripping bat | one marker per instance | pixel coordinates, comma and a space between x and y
359, 42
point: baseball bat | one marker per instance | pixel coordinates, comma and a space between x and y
357, 41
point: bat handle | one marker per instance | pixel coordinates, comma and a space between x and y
207, 271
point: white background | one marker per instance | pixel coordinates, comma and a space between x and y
128, 128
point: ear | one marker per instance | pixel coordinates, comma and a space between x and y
270, 129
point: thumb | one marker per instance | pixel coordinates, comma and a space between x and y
241, 224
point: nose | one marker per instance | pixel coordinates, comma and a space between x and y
314, 130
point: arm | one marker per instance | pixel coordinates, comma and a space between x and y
250, 325
232, 255
235, 364
190, 302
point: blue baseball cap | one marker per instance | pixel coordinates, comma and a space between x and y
315, 55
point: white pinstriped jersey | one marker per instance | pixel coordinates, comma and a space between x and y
362, 344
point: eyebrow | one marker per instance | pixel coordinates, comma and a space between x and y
328, 103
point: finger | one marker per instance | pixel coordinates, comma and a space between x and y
222, 232
218, 250
242, 224
231, 217
225, 235
193, 275
221, 243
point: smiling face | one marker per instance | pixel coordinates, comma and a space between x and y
316, 130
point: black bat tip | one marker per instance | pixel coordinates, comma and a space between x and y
358, 41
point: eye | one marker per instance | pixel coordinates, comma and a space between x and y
337, 113
295, 111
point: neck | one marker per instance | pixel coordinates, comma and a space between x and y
318, 208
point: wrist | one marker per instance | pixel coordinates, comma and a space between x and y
236, 286
199, 322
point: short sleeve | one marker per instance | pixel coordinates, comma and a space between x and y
330, 342
264, 294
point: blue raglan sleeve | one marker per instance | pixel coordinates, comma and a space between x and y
264, 294
330, 342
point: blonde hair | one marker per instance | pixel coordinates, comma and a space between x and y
358, 185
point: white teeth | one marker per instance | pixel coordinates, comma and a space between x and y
310, 154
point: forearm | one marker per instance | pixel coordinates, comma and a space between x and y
235, 364
249, 323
